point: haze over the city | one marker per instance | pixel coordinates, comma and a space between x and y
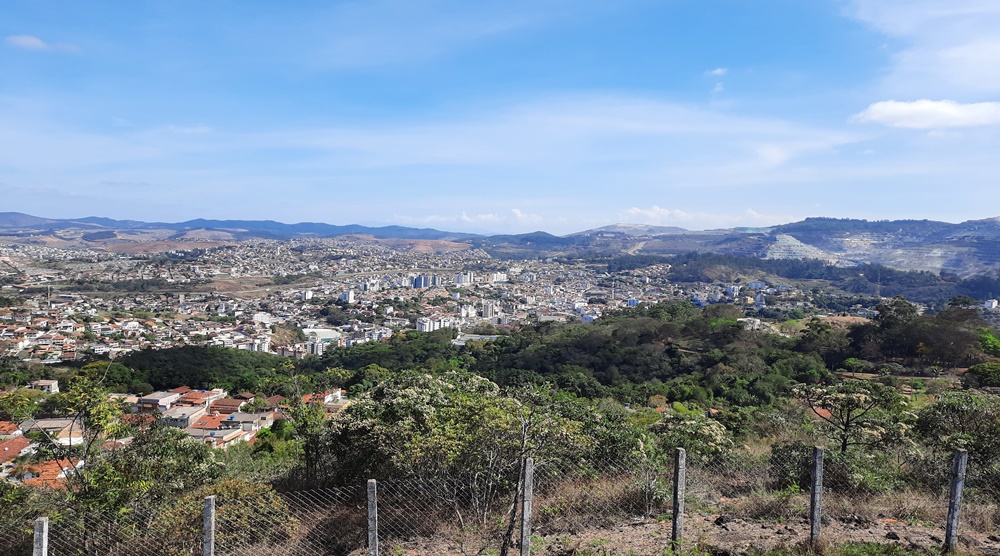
501, 116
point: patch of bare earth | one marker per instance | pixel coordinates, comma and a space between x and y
425, 245
713, 534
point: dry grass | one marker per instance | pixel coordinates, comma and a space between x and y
764, 505
574, 505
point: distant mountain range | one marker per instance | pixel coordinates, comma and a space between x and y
239, 229
968, 248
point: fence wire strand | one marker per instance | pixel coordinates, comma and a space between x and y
744, 499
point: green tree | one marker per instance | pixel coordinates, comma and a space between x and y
17, 406
857, 412
983, 374
963, 420
701, 436
159, 464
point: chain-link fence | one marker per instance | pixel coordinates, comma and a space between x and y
302, 523
748, 499
16, 529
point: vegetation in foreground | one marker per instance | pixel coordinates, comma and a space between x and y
589, 400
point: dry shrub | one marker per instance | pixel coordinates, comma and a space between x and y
768, 505
980, 517
577, 504
904, 505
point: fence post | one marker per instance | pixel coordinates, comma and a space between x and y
41, 546
816, 498
208, 526
529, 487
955, 500
372, 518
680, 488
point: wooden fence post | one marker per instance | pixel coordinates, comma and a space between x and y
372, 518
208, 527
41, 546
955, 500
529, 487
816, 498
680, 488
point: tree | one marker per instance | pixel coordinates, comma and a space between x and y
962, 301
963, 420
17, 406
159, 464
983, 375
699, 435
456, 427
94, 415
821, 338
893, 317
308, 422
857, 412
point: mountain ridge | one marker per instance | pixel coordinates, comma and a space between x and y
966, 248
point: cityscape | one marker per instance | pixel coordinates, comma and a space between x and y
500, 278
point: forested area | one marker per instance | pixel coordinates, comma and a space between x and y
923, 287
620, 393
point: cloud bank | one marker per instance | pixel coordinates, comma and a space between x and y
931, 114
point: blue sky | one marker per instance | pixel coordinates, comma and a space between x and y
501, 116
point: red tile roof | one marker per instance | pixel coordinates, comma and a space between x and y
208, 422
11, 448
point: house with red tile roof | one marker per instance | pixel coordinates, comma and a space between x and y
227, 405
51, 473
9, 429
13, 448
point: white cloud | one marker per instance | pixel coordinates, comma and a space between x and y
382, 32
525, 218
188, 129
29, 42
931, 114
774, 155
657, 215
518, 168
717, 72
949, 47
660, 216
718, 88
478, 218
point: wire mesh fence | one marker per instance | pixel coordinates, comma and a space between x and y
75, 531
749, 498
302, 523
465, 518
16, 529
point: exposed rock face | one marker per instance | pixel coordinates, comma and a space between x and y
787, 247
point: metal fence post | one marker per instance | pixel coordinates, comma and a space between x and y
208, 526
955, 500
529, 487
41, 546
680, 488
816, 498
372, 518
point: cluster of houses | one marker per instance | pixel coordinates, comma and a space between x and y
209, 416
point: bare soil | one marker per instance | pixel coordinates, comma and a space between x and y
714, 534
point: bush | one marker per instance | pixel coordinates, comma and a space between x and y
983, 375
860, 471
791, 465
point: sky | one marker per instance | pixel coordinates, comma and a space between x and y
501, 116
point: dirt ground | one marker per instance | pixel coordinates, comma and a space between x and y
714, 534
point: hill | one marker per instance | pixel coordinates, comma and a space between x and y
966, 249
